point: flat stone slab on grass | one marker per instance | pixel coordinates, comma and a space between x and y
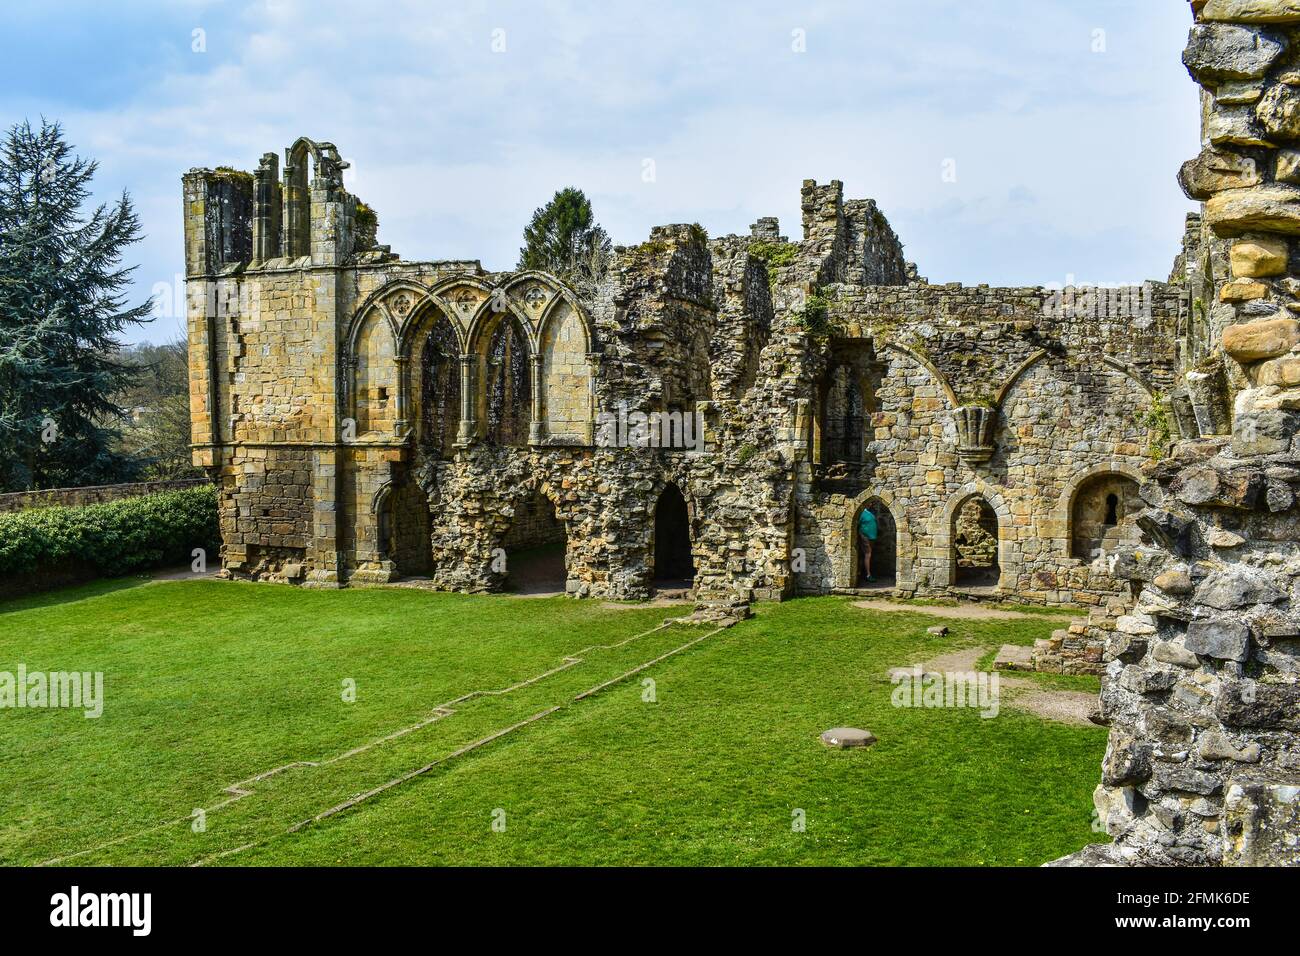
973, 611
845, 737
1013, 657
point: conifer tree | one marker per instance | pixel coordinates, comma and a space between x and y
62, 308
564, 239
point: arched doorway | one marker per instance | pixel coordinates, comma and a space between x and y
674, 565
975, 545
884, 550
535, 548
1101, 515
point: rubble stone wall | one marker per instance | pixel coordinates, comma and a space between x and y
1202, 681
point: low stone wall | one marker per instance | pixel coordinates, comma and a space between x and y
91, 494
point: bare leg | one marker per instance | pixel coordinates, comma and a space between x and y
866, 553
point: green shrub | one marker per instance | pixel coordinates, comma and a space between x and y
115, 537
776, 255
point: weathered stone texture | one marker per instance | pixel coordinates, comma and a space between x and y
1203, 762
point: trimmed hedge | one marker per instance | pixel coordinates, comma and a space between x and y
115, 537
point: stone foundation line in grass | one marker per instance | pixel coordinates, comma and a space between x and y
244, 788
483, 741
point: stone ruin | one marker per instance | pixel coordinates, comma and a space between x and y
1202, 685
717, 412
369, 419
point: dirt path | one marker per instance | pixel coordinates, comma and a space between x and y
1065, 706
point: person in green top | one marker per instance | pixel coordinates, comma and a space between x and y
867, 531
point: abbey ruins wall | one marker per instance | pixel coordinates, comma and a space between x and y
369, 418
1202, 685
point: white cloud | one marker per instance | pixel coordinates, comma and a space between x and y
1065, 159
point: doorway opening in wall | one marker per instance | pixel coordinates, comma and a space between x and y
884, 549
674, 564
403, 527
975, 545
1102, 516
535, 548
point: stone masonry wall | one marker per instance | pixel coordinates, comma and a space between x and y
1202, 684
339, 396
91, 494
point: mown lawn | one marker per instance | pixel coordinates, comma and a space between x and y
709, 756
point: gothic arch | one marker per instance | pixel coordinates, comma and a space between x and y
565, 390
1107, 360
296, 197
426, 310
559, 293
904, 547
941, 530
485, 319
1021, 369
372, 373
662, 521
381, 510
430, 400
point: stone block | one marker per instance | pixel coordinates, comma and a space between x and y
1222, 639
1224, 51
1262, 821
1242, 290
1250, 11
1215, 170
1259, 705
1283, 372
1286, 167
1268, 338
1251, 258
1258, 209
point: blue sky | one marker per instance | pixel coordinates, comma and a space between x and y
1065, 121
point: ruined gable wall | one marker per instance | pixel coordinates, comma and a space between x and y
658, 298
1056, 421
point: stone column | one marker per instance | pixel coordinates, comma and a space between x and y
535, 421
468, 391
1201, 688
401, 425
266, 200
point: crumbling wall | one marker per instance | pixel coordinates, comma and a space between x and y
1202, 684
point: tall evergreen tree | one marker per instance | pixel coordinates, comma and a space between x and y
62, 307
563, 238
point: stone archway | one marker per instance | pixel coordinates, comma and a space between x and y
508, 379
536, 547
884, 552
1101, 515
674, 562
975, 540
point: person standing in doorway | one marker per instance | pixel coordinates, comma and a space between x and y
867, 531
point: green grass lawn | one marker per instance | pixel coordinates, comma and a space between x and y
208, 683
